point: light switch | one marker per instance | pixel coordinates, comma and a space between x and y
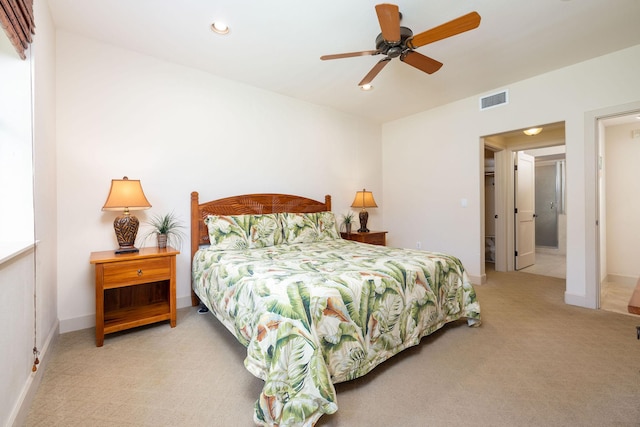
463, 203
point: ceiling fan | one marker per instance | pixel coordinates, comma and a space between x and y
396, 41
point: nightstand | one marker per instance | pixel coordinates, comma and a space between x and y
134, 289
372, 237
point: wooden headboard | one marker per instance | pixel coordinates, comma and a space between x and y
245, 204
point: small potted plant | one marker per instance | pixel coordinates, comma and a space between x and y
347, 220
168, 230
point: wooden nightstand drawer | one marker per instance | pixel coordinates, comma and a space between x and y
372, 237
125, 273
376, 239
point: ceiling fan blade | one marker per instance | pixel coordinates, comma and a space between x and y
421, 62
349, 55
389, 18
459, 25
374, 71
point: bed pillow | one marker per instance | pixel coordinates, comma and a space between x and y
243, 231
308, 227
327, 226
299, 227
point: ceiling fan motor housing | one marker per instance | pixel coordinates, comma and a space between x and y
394, 49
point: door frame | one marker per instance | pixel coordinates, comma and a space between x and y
505, 206
594, 139
501, 167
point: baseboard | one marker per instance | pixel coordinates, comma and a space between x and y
182, 302
86, 322
549, 250
77, 323
629, 281
19, 417
478, 280
578, 300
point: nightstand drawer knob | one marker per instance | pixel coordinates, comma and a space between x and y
139, 272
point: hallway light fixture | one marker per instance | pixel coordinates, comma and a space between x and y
532, 131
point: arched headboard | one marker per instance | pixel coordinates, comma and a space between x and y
245, 204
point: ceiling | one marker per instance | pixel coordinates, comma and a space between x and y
276, 45
622, 120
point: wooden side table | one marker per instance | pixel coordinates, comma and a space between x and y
372, 237
134, 289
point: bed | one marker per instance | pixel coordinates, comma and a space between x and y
311, 308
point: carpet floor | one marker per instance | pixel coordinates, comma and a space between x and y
535, 361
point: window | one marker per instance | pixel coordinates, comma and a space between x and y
16, 163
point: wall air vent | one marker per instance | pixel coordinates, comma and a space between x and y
494, 100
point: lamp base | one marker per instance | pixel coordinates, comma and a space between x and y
364, 217
126, 228
130, 250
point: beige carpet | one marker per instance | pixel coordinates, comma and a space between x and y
534, 362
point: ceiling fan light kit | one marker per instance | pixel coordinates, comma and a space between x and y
399, 42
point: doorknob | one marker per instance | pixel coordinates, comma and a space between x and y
551, 205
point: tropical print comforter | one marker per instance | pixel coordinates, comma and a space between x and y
315, 314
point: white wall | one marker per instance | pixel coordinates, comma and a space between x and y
17, 279
180, 130
45, 195
423, 191
16, 341
622, 153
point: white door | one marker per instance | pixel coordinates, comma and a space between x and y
503, 166
525, 220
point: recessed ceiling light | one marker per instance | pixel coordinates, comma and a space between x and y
532, 131
220, 27
366, 87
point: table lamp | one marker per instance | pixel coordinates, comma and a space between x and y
127, 195
364, 199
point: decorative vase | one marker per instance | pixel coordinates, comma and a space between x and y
348, 228
162, 240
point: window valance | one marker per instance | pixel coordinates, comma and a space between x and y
16, 18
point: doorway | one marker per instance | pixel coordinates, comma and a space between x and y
619, 150
499, 198
550, 213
